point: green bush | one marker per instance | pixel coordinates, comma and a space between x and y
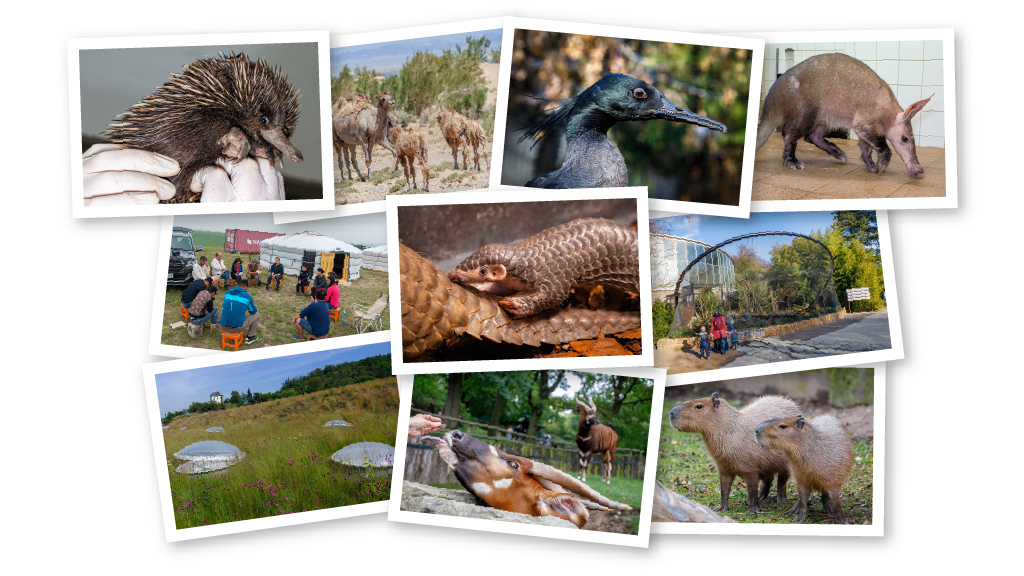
661, 316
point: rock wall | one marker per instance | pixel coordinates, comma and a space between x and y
429, 500
757, 333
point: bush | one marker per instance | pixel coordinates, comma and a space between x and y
661, 316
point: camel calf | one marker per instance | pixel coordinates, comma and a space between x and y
457, 129
358, 123
410, 144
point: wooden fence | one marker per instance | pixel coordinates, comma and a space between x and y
424, 465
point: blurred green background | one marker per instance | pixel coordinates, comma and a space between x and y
676, 161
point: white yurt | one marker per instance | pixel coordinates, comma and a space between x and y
316, 250
376, 258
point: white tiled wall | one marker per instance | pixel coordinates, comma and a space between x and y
913, 69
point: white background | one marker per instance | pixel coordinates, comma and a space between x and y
78, 485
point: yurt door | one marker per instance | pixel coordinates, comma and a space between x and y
337, 262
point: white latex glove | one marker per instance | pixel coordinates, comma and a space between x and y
115, 176
250, 179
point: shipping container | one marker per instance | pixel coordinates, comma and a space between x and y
245, 241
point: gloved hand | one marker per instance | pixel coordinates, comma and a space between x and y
249, 179
118, 176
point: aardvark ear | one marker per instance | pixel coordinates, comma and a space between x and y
916, 107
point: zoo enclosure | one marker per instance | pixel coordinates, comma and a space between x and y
424, 465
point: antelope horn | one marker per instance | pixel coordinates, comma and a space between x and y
556, 488
581, 403
574, 486
592, 406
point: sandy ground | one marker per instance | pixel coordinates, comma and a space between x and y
439, 159
687, 360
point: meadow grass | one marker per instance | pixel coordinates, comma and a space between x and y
287, 467
685, 467
276, 308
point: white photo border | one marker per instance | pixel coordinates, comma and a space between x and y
738, 42
348, 40
396, 514
493, 196
853, 358
171, 532
875, 529
951, 199
76, 45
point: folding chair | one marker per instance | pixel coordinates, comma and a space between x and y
367, 319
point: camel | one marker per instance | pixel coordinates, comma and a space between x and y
409, 145
358, 123
456, 128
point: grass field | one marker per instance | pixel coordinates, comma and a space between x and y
685, 467
276, 309
287, 467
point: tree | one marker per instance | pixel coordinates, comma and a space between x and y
453, 403
538, 397
235, 398
248, 396
861, 225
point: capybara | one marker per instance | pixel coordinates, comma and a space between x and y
728, 435
820, 456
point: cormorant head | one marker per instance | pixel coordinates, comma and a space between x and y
615, 98
626, 98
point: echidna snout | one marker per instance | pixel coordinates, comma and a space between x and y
275, 136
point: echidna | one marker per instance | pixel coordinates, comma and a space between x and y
225, 106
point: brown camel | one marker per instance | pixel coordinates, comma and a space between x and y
457, 129
409, 145
358, 123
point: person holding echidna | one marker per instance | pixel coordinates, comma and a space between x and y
213, 133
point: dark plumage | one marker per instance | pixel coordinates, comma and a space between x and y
226, 106
591, 161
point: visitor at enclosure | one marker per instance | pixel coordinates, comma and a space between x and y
276, 273
303, 280
314, 319
192, 290
734, 336
333, 291
719, 333
219, 269
236, 269
202, 309
238, 302
320, 281
509, 433
201, 270
705, 345
254, 272
421, 424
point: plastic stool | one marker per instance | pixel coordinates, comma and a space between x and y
335, 315
185, 314
232, 339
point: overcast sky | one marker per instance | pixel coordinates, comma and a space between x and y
178, 390
388, 57
715, 229
368, 229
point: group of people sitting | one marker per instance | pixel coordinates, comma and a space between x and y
720, 337
239, 308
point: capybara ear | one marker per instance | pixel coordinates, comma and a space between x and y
800, 422
714, 400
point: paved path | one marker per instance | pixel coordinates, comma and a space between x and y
870, 332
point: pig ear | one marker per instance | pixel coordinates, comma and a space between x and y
916, 107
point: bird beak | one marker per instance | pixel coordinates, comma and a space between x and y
276, 137
670, 111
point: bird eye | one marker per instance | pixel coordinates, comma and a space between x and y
639, 93
483, 271
265, 120
904, 138
512, 464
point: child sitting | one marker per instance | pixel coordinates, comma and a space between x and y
705, 343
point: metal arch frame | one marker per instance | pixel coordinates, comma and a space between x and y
679, 282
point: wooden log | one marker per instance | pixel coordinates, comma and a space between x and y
672, 507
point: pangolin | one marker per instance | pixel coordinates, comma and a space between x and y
543, 269
434, 310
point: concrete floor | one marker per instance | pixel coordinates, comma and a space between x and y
824, 177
